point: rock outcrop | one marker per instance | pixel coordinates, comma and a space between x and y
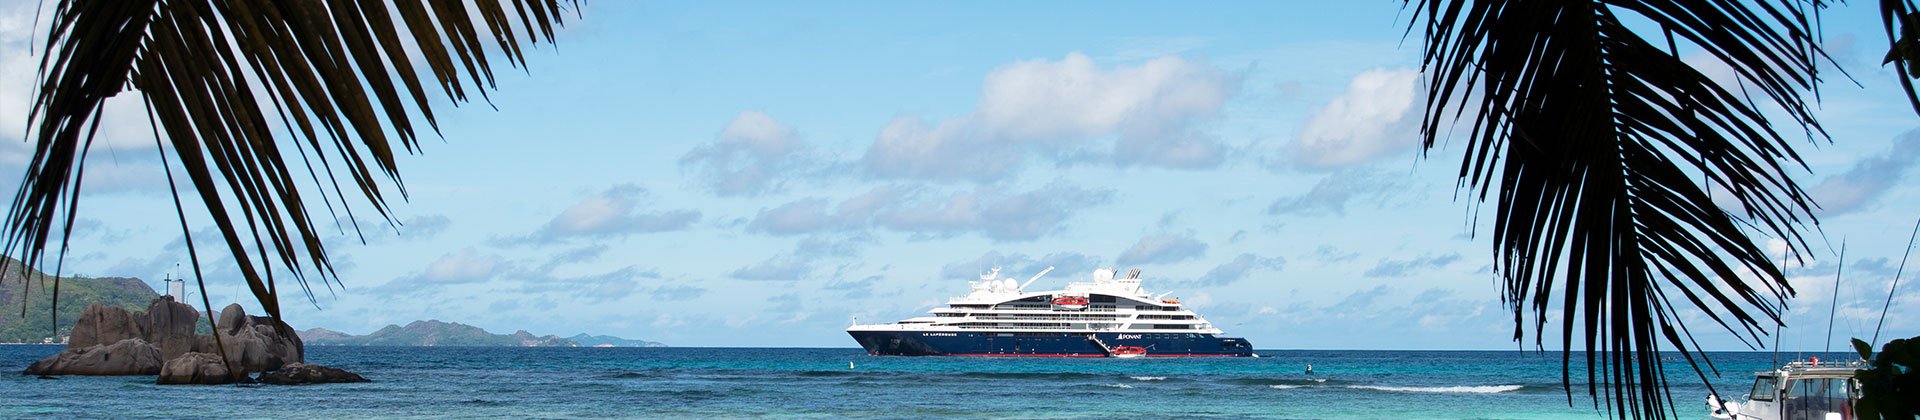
169, 327
302, 374
101, 325
131, 356
109, 340
196, 368
255, 343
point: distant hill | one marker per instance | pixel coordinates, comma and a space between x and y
432, 333
611, 341
75, 294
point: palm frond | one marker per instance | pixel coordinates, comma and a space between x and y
1902, 20
1600, 147
229, 84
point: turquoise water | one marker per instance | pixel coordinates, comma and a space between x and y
770, 382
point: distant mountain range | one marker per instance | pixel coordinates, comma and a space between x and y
611, 341
438, 333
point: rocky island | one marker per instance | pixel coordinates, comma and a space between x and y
109, 340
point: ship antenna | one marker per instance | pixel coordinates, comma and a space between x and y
1896, 284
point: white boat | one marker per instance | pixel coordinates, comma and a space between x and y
1799, 390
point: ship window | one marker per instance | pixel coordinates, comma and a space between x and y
1762, 389
1815, 398
1099, 298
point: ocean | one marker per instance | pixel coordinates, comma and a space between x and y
817, 383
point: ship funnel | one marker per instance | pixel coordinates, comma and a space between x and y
1134, 273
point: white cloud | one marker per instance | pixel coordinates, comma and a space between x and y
1408, 267
1162, 249
1330, 196
812, 215
1233, 271
1047, 107
1040, 100
986, 210
993, 213
1376, 117
776, 268
612, 213
467, 266
121, 158
750, 156
1868, 178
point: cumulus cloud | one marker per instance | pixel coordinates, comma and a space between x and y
749, 157
463, 267
1330, 196
574, 256
1331, 254
601, 287
1408, 267
678, 292
776, 268
1154, 249
1868, 178
466, 266
992, 213
1053, 107
1360, 299
614, 213
1236, 270
985, 210
424, 227
811, 215
1377, 116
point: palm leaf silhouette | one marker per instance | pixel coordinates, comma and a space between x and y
229, 85
1600, 149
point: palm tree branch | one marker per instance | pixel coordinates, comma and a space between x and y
1598, 148
207, 69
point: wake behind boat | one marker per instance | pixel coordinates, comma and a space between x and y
1106, 317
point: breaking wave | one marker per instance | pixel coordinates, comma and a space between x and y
1486, 389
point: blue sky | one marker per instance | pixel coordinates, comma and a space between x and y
750, 174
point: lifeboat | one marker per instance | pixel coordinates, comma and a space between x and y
1071, 302
1129, 351
1175, 301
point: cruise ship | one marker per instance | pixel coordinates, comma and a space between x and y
1110, 316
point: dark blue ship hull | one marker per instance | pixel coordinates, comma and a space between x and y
926, 343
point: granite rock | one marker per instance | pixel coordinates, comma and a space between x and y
104, 325
196, 368
131, 356
302, 374
169, 327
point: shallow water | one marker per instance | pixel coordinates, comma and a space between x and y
812, 382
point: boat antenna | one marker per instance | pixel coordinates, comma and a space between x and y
1896, 284
1834, 307
1785, 254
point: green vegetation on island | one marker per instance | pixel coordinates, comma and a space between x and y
75, 293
